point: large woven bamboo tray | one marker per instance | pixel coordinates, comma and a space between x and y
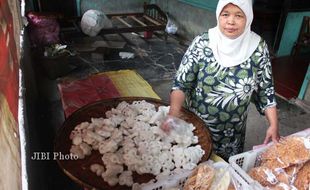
78, 170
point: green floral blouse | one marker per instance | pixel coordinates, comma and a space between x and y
221, 95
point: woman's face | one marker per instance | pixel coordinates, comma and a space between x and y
232, 21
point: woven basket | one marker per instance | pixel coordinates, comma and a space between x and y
78, 170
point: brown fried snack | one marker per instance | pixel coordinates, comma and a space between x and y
288, 175
279, 179
289, 151
191, 180
280, 186
302, 181
201, 178
263, 175
231, 187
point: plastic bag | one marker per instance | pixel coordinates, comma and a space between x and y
44, 28
174, 124
222, 178
93, 21
57, 50
201, 177
126, 55
281, 163
210, 175
171, 27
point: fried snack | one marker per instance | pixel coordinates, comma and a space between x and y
278, 179
201, 178
285, 165
231, 187
302, 181
288, 175
289, 151
191, 181
221, 180
280, 186
263, 175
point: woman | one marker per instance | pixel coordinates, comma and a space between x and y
219, 73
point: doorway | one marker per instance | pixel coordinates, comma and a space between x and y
273, 21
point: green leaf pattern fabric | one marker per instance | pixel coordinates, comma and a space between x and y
221, 95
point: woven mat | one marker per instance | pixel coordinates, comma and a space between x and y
130, 83
112, 84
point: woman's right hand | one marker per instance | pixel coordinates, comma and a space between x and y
166, 124
177, 98
176, 124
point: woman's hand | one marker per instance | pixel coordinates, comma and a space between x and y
272, 134
177, 98
165, 126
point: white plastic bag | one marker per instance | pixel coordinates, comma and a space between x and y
171, 27
126, 55
176, 125
93, 21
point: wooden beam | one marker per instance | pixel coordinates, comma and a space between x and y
123, 21
137, 20
151, 20
124, 14
132, 29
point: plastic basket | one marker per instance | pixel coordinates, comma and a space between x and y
242, 163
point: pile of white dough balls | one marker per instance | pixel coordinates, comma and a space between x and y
130, 140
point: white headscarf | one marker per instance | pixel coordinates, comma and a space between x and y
231, 52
